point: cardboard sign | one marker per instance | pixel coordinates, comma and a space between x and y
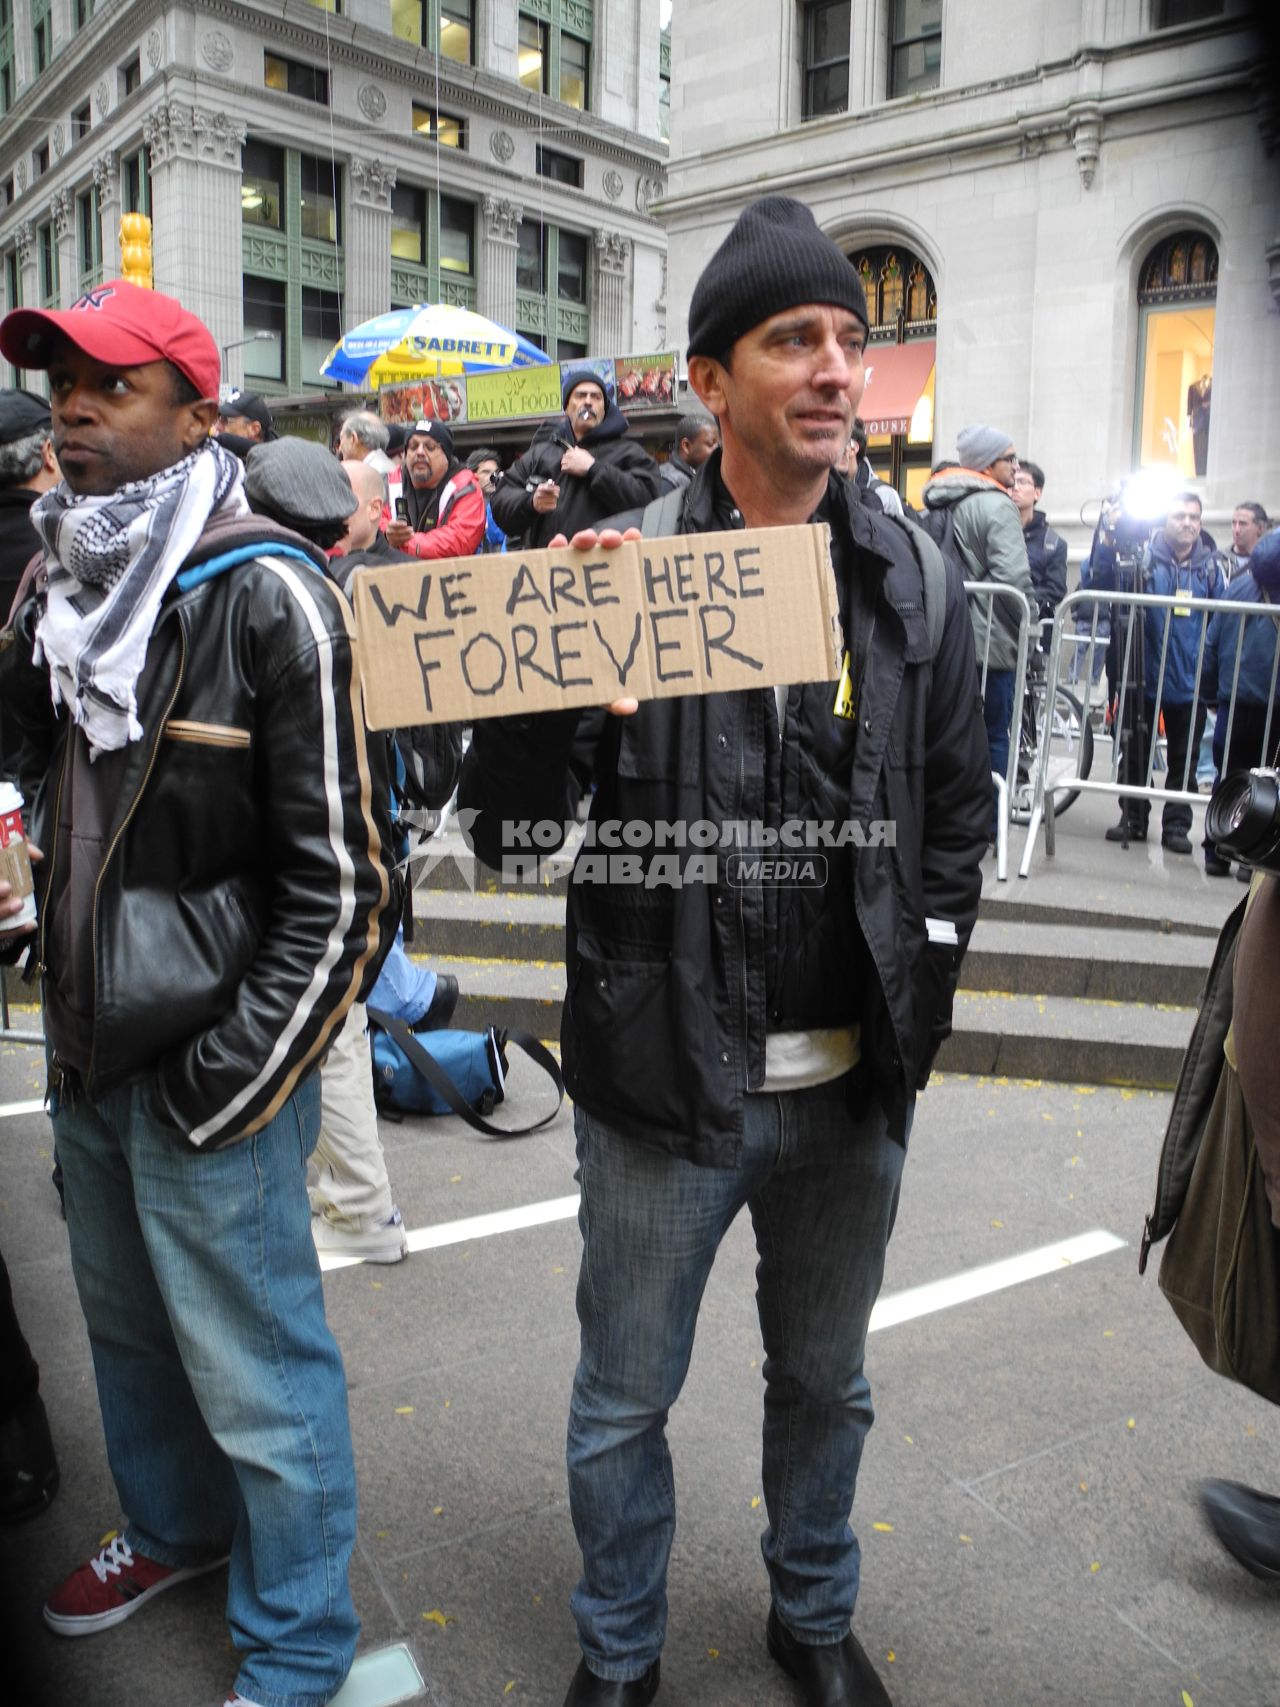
471, 637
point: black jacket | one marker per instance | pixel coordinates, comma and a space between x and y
671, 989
246, 890
1047, 555
19, 541
622, 476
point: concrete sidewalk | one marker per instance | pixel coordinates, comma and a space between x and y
1026, 1502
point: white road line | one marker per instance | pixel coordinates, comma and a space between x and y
475, 1227
973, 1283
898, 1307
21, 1107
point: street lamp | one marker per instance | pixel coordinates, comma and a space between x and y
259, 337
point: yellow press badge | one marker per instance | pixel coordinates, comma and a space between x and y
844, 706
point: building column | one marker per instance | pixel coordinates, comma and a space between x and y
368, 240
63, 208
610, 321
28, 264
496, 286
196, 240
106, 180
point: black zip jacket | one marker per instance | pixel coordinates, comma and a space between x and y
671, 990
622, 476
244, 897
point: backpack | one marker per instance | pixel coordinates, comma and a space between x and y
661, 519
451, 1072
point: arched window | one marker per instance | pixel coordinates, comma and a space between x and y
1177, 295
902, 305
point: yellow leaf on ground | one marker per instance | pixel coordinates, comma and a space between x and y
1084, 1487
968, 1540
435, 1616
455, 1179
713, 1653
376, 1285
884, 1528
1096, 1566
1132, 1423
559, 1269
1186, 1700
891, 1656
509, 1687
997, 1223
384, 1534
1108, 1333
755, 1502
908, 1440
437, 1511
404, 1410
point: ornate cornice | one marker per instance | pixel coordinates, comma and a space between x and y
106, 176
176, 130
613, 251
62, 206
501, 216
372, 182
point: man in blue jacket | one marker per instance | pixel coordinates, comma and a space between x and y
1254, 679
1177, 560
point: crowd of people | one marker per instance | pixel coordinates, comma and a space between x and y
220, 899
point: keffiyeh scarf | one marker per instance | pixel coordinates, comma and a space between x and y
110, 561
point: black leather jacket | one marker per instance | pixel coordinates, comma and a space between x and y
671, 990
245, 888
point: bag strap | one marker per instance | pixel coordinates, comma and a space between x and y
662, 516
933, 576
422, 1061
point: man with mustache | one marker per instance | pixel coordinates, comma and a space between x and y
445, 506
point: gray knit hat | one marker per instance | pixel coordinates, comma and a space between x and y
978, 446
775, 258
299, 479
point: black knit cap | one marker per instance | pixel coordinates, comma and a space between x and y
775, 258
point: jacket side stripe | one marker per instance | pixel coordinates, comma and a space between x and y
310, 997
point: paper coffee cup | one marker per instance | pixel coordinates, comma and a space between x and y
15, 861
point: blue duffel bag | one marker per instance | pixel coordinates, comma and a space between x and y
451, 1072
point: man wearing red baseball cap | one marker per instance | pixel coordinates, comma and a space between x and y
183, 710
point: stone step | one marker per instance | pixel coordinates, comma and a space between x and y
1030, 1036
1025, 959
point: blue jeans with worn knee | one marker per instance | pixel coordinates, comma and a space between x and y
822, 1191
223, 1397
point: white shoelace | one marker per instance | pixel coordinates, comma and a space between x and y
112, 1558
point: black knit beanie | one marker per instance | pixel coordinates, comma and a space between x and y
580, 376
774, 258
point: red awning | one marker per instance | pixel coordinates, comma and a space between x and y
896, 376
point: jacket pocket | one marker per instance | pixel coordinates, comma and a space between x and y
628, 1052
196, 734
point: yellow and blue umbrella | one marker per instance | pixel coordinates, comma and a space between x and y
430, 341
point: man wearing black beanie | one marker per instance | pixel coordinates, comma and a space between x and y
731, 1044
578, 470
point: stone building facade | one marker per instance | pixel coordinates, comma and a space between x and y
306, 166
1076, 203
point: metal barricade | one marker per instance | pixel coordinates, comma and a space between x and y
987, 592
1127, 612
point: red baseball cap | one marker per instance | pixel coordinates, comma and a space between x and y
120, 324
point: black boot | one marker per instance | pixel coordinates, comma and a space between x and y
588, 1690
836, 1674
1248, 1525
28, 1468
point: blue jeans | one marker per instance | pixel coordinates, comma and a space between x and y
223, 1398
404, 989
997, 705
822, 1189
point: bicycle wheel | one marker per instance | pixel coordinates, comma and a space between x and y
1070, 738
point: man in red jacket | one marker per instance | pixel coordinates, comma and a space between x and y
446, 513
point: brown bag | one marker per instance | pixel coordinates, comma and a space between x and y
1221, 1266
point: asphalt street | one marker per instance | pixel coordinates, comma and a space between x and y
1027, 1499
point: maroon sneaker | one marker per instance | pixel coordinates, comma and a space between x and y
111, 1587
